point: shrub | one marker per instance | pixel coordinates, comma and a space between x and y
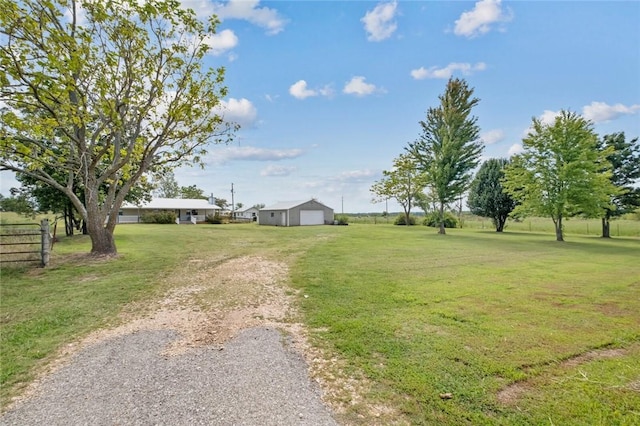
342, 219
433, 220
214, 219
401, 220
159, 217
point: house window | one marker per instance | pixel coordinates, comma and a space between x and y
272, 214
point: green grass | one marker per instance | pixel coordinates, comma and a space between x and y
414, 313
472, 312
572, 226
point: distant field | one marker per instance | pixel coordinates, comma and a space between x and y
517, 328
574, 226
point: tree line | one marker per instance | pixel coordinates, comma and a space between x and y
564, 170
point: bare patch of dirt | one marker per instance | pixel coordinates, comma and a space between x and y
593, 355
216, 301
512, 393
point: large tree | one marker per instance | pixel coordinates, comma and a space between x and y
403, 183
104, 92
449, 147
487, 196
166, 185
561, 172
625, 172
193, 192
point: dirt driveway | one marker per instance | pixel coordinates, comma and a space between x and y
223, 348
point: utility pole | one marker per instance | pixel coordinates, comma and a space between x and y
233, 205
342, 200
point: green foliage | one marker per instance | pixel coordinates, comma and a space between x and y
214, 219
167, 185
193, 192
401, 219
625, 171
403, 183
449, 147
104, 102
342, 219
18, 203
487, 196
561, 172
159, 217
433, 219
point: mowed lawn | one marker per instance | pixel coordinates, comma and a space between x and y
517, 328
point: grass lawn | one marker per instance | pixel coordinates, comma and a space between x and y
518, 328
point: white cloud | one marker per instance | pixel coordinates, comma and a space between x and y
240, 111
272, 170
516, 148
221, 42
446, 72
248, 10
300, 90
250, 153
202, 8
479, 20
601, 112
492, 136
357, 86
354, 176
548, 117
379, 23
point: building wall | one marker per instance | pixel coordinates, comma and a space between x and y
270, 217
274, 218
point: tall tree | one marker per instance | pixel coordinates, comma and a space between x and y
487, 196
193, 192
167, 185
625, 172
402, 183
104, 92
561, 172
449, 147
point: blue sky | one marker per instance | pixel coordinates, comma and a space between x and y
329, 93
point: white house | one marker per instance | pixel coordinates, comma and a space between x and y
249, 215
186, 209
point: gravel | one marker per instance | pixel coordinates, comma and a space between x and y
256, 379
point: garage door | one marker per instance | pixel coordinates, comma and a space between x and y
311, 217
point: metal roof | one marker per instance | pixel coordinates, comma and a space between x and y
286, 205
173, 203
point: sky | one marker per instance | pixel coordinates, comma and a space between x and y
328, 93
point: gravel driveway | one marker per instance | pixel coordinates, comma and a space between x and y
257, 379
182, 364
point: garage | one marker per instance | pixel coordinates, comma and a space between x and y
311, 217
296, 213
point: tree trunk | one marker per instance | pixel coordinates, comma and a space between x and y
500, 224
102, 241
558, 224
606, 227
442, 231
68, 221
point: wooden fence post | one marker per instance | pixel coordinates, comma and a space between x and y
45, 242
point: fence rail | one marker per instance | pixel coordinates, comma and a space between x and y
25, 242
